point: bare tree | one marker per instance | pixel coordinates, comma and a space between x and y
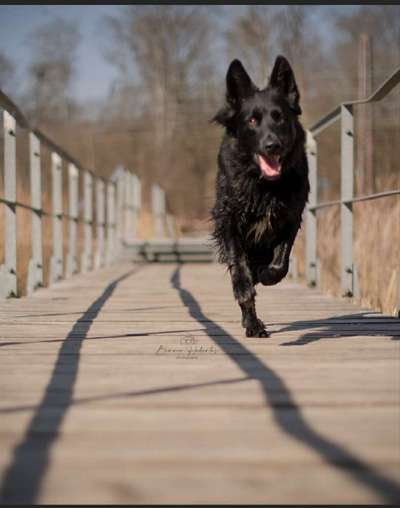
7, 72
52, 69
263, 32
250, 39
380, 22
379, 25
165, 42
166, 50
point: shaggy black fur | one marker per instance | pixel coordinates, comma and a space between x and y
257, 213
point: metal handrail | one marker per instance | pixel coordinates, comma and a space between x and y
334, 115
7, 104
117, 205
368, 197
344, 112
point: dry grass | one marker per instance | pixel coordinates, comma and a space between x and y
375, 251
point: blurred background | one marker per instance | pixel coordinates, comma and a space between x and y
138, 85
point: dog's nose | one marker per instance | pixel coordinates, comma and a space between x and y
272, 147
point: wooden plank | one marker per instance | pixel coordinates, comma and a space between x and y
139, 384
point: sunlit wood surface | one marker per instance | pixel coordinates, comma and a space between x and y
135, 384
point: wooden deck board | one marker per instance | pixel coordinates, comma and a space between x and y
145, 390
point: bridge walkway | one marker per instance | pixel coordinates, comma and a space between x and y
135, 384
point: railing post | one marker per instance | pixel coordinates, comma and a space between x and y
100, 223
111, 190
158, 210
35, 270
312, 265
170, 223
128, 207
8, 271
56, 261
86, 261
293, 269
119, 209
73, 194
154, 209
136, 201
348, 271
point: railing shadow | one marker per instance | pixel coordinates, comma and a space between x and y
124, 395
332, 328
22, 479
289, 417
58, 314
102, 337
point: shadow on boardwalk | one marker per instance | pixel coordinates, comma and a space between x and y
289, 416
344, 326
22, 480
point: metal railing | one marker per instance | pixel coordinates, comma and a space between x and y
344, 113
117, 205
164, 222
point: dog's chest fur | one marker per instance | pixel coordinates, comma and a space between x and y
260, 228
262, 215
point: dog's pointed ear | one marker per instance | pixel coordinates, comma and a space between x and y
238, 83
282, 78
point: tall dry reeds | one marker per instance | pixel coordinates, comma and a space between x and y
376, 247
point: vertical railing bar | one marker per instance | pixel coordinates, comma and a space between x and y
132, 206
127, 207
87, 222
155, 210
8, 271
163, 201
119, 200
116, 223
312, 268
397, 310
35, 269
170, 225
56, 262
159, 211
73, 191
347, 267
136, 204
100, 223
111, 234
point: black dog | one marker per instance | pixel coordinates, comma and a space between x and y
262, 183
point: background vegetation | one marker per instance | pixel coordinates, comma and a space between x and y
171, 63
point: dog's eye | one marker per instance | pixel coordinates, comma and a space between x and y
276, 116
253, 120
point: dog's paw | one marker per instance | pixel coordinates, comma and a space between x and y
271, 275
256, 329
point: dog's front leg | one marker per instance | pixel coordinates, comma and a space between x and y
279, 266
243, 290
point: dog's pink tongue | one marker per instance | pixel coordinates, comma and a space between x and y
270, 166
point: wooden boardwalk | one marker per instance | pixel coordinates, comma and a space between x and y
135, 384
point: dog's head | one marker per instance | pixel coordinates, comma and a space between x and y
265, 122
